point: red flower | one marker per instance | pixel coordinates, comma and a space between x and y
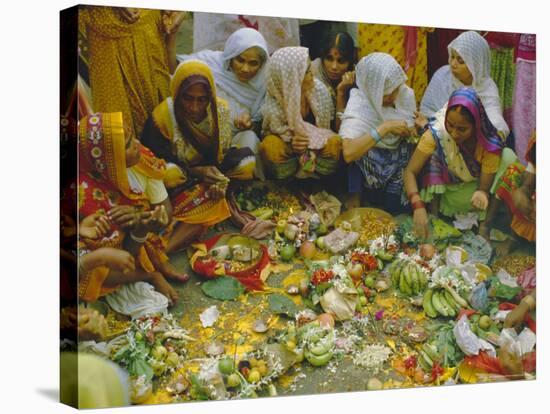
410, 362
369, 262
321, 276
437, 371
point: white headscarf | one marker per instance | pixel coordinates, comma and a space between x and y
377, 74
475, 52
282, 108
249, 95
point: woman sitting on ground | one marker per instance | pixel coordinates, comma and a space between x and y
456, 160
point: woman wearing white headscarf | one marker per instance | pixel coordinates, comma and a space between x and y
296, 119
379, 114
239, 74
469, 65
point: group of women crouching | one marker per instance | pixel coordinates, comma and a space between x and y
240, 114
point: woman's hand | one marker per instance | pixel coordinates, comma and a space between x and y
299, 143
124, 216
347, 82
420, 121
516, 316
117, 259
210, 174
128, 14
156, 219
94, 226
480, 200
217, 191
421, 223
243, 121
172, 20
395, 127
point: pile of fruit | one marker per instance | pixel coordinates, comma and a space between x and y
408, 276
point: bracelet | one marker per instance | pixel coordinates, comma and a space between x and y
375, 135
418, 204
138, 239
529, 301
339, 115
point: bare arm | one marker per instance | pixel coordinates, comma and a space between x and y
354, 149
420, 214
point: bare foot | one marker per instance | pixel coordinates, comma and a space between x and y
504, 248
170, 272
162, 286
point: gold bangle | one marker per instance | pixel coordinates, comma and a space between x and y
530, 302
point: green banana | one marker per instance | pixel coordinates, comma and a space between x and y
424, 358
431, 351
317, 360
424, 365
415, 279
407, 273
449, 309
458, 299
451, 301
404, 287
385, 256
436, 302
320, 348
427, 304
262, 212
396, 272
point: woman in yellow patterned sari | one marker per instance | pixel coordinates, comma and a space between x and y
128, 59
191, 130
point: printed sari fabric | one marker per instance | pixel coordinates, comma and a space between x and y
103, 184
127, 62
510, 180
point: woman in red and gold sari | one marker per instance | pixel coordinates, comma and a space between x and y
191, 130
122, 205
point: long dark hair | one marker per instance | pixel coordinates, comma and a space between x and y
343, 43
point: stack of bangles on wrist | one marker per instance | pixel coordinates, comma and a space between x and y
138, 239
418, 203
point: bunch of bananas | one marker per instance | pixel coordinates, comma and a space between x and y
318, 343
408, 276
263, 213
428, 354
444, 301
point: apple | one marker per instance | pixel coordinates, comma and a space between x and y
427, 251
320, 243
287, 252
307, 249
281, 225
355, 270
326, 320
322, 229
